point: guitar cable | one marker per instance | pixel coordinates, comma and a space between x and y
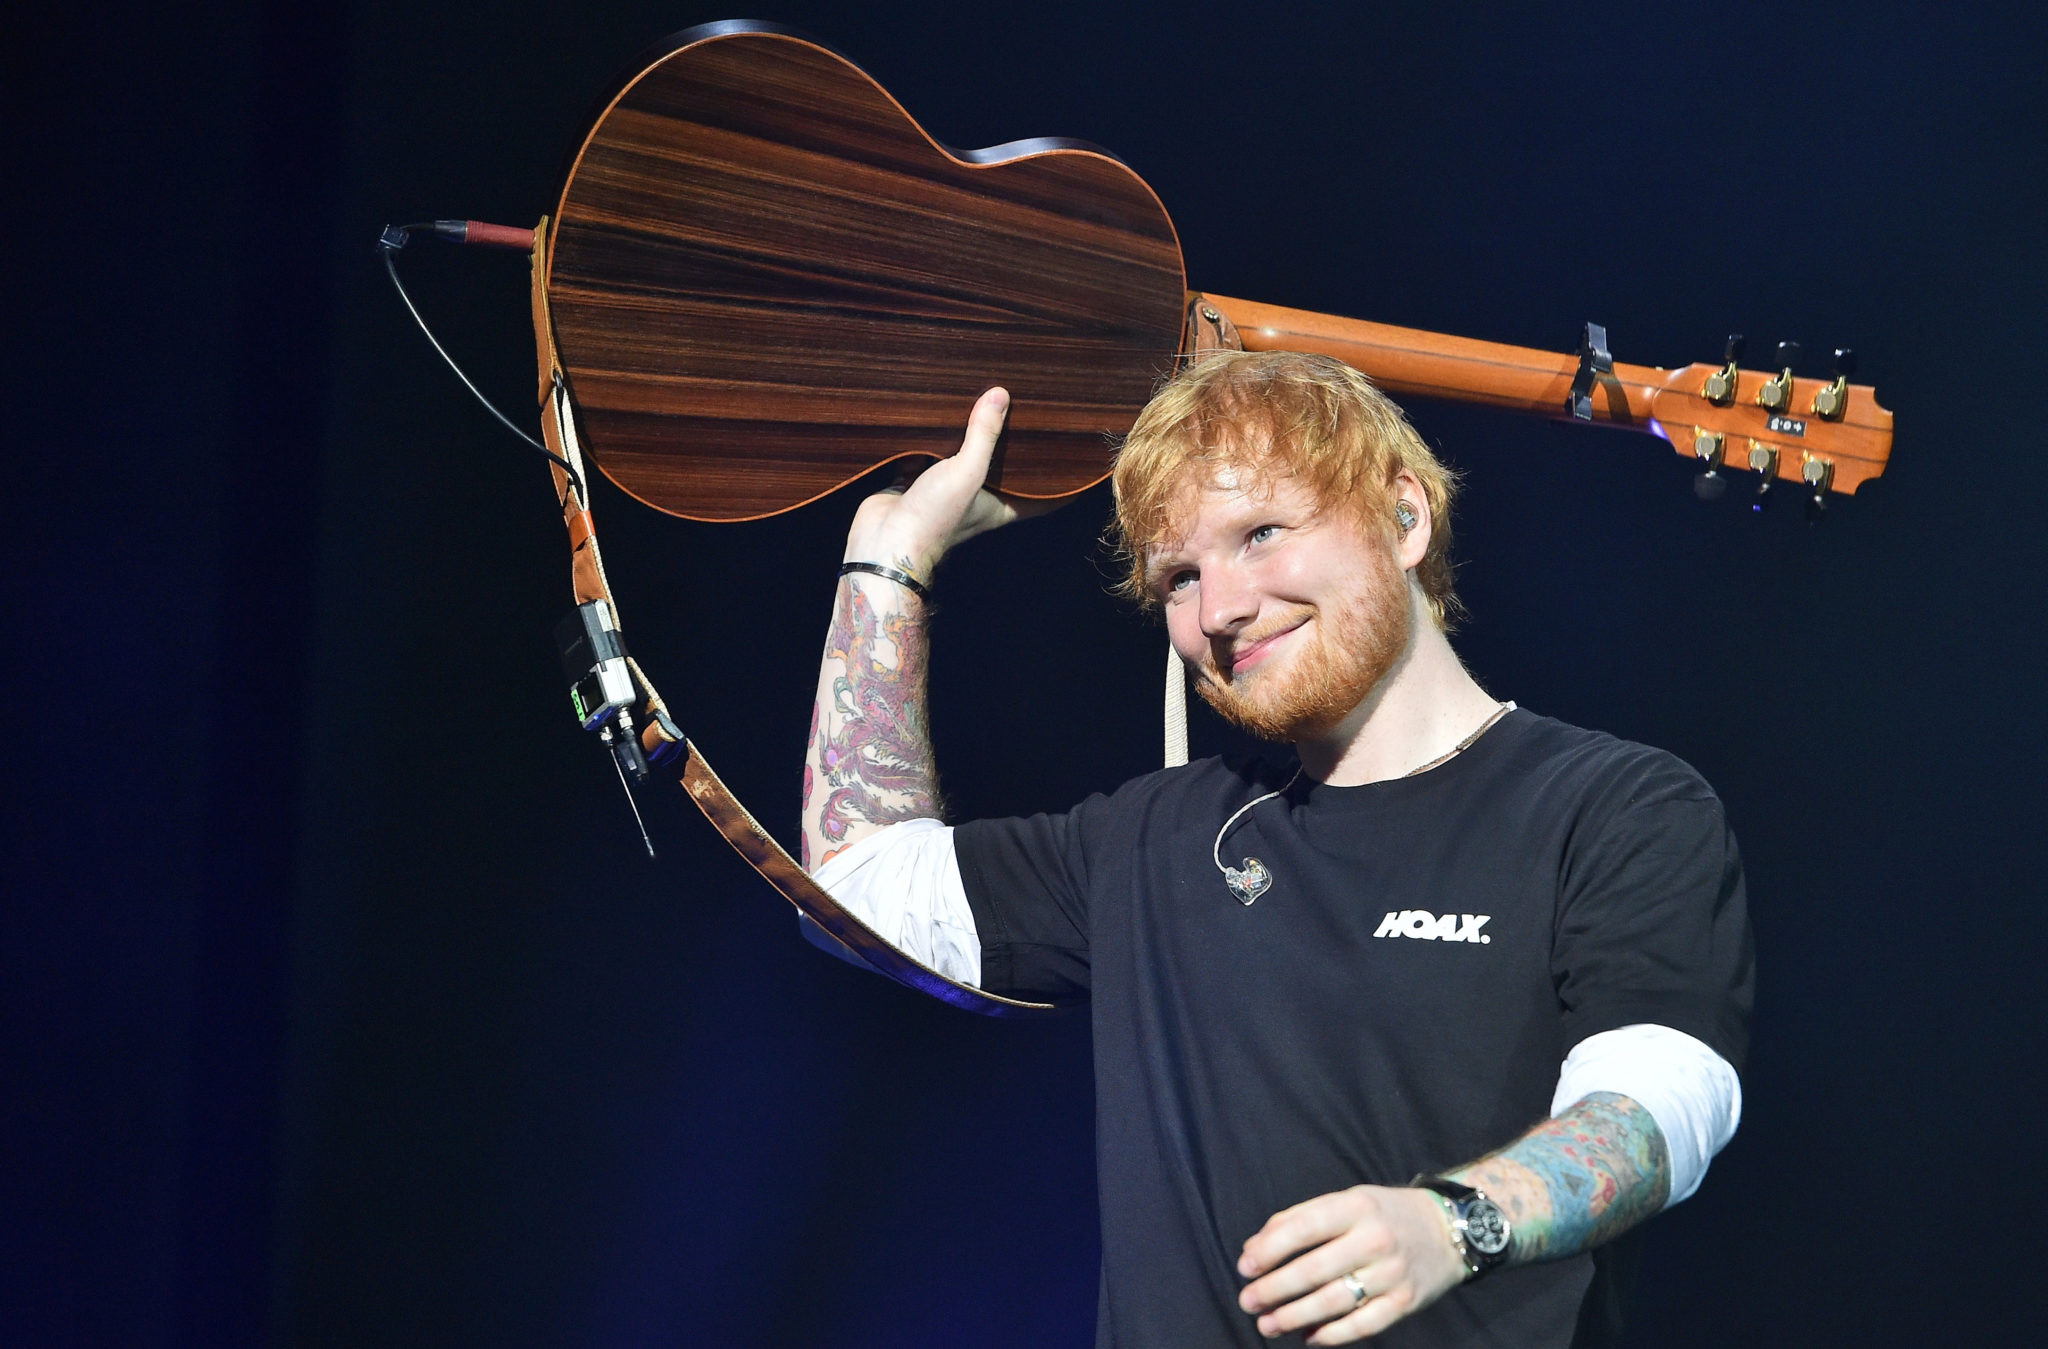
393, 239
600, 686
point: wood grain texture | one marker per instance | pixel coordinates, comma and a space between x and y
766, 279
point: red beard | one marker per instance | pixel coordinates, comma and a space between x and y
1309, 690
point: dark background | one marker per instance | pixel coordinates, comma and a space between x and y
340, 1004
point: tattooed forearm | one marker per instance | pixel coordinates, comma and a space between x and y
870, 749
1577, 1180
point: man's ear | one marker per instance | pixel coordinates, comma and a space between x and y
1412, 521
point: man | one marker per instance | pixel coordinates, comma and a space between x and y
1329, 996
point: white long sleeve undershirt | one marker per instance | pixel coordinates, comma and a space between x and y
904, 882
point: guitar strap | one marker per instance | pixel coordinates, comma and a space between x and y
1205, 329
664, 742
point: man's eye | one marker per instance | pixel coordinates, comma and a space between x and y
1179, 581
1262, 534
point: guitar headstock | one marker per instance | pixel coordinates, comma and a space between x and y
1827, 434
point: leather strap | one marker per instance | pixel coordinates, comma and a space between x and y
783, 872
558, 429
1207, 328
713, 797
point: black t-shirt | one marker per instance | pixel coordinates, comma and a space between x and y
1398, 1001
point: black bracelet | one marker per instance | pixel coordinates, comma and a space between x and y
902, 578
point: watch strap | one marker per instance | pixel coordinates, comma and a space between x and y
1449, 1189
1455, 1197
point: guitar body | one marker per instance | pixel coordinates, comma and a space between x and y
766, 279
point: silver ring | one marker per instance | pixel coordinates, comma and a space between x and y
1359, 1297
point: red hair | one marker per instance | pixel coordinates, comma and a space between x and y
1271, 415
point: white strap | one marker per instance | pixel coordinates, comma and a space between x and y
1176, 709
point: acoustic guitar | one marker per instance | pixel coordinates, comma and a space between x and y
766, 279
763, 280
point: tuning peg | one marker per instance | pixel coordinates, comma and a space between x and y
1720, 386
1818, 474
1776, 394
1595, 361
1831, 402
1763, 461
1708, 445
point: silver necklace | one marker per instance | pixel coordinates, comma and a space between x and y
1253, 879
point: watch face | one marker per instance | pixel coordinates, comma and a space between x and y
1486, 1228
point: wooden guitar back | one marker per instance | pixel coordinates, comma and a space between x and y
766, 279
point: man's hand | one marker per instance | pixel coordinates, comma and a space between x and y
1397, 1242
870, 761
1567, 1185
913, 527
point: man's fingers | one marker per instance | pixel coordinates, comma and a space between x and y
984, 424
955, 479
1390, 1295
1026, 508
1298, 1228
1360, 1248
1327, 1301
938, 503
966, 468
1332, 1260
1370, 1318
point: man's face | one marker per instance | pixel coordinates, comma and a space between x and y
1289, 616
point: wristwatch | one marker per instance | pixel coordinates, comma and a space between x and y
1479, 1229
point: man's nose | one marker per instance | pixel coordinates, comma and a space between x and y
1228, 603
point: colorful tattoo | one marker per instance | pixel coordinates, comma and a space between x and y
1577, 1180
871, 742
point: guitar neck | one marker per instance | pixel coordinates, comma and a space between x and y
1829, 435
1412, 362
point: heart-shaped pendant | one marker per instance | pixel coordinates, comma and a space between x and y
1247, 885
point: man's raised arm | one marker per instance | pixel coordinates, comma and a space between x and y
869, 761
